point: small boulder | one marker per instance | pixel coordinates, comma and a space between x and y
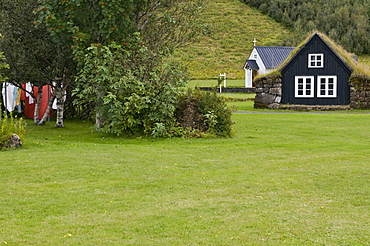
14, 142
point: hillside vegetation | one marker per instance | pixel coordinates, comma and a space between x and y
233, 26
344, 21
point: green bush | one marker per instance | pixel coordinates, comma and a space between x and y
200, 112
8, 126
129, 98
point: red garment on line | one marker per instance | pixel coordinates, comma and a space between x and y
29, 109
23, 93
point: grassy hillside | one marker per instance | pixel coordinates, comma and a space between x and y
234, 25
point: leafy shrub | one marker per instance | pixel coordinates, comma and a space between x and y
8, 126
128, 97
204, 112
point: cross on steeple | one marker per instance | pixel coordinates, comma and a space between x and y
254, 42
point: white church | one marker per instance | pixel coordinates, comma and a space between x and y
264, 60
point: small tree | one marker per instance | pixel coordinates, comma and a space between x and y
120, 47
33, 55
128, 99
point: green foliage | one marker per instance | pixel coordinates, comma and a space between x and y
8, 126
3, 65
120, 47
345, 21
205, 112
32, 54
79, 23
127, 95
163, 25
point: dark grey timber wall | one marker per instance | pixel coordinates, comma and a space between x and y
269, 92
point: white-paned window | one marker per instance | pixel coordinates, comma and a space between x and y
326, 86
315, 60
304, 86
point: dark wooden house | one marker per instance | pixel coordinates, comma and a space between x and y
315, 75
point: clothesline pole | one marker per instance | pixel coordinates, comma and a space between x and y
6, 99
48, 104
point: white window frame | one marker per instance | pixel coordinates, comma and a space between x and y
314, 62
328, 90
304, 84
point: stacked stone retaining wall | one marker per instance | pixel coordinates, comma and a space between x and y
360, 92
268, 92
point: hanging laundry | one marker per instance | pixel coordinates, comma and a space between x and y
8, 96
46, 95
29, 105
29, 108
18, 104
29, 87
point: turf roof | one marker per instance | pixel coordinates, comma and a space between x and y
358, 69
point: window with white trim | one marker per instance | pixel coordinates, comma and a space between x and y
304, 86
326, 86
315, 60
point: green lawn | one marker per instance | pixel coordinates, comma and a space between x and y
282, 179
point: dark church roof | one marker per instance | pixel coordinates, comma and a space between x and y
273, 57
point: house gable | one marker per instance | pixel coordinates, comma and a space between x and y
315, 75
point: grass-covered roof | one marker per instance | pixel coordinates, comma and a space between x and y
358, 69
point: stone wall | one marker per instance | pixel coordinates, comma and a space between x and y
360, 92
268, 92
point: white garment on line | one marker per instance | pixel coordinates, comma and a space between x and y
29, 87
8, 96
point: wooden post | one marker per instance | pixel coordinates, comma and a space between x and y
223, 75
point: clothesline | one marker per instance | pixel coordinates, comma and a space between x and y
12, 97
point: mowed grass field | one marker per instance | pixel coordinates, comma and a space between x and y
282, 179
